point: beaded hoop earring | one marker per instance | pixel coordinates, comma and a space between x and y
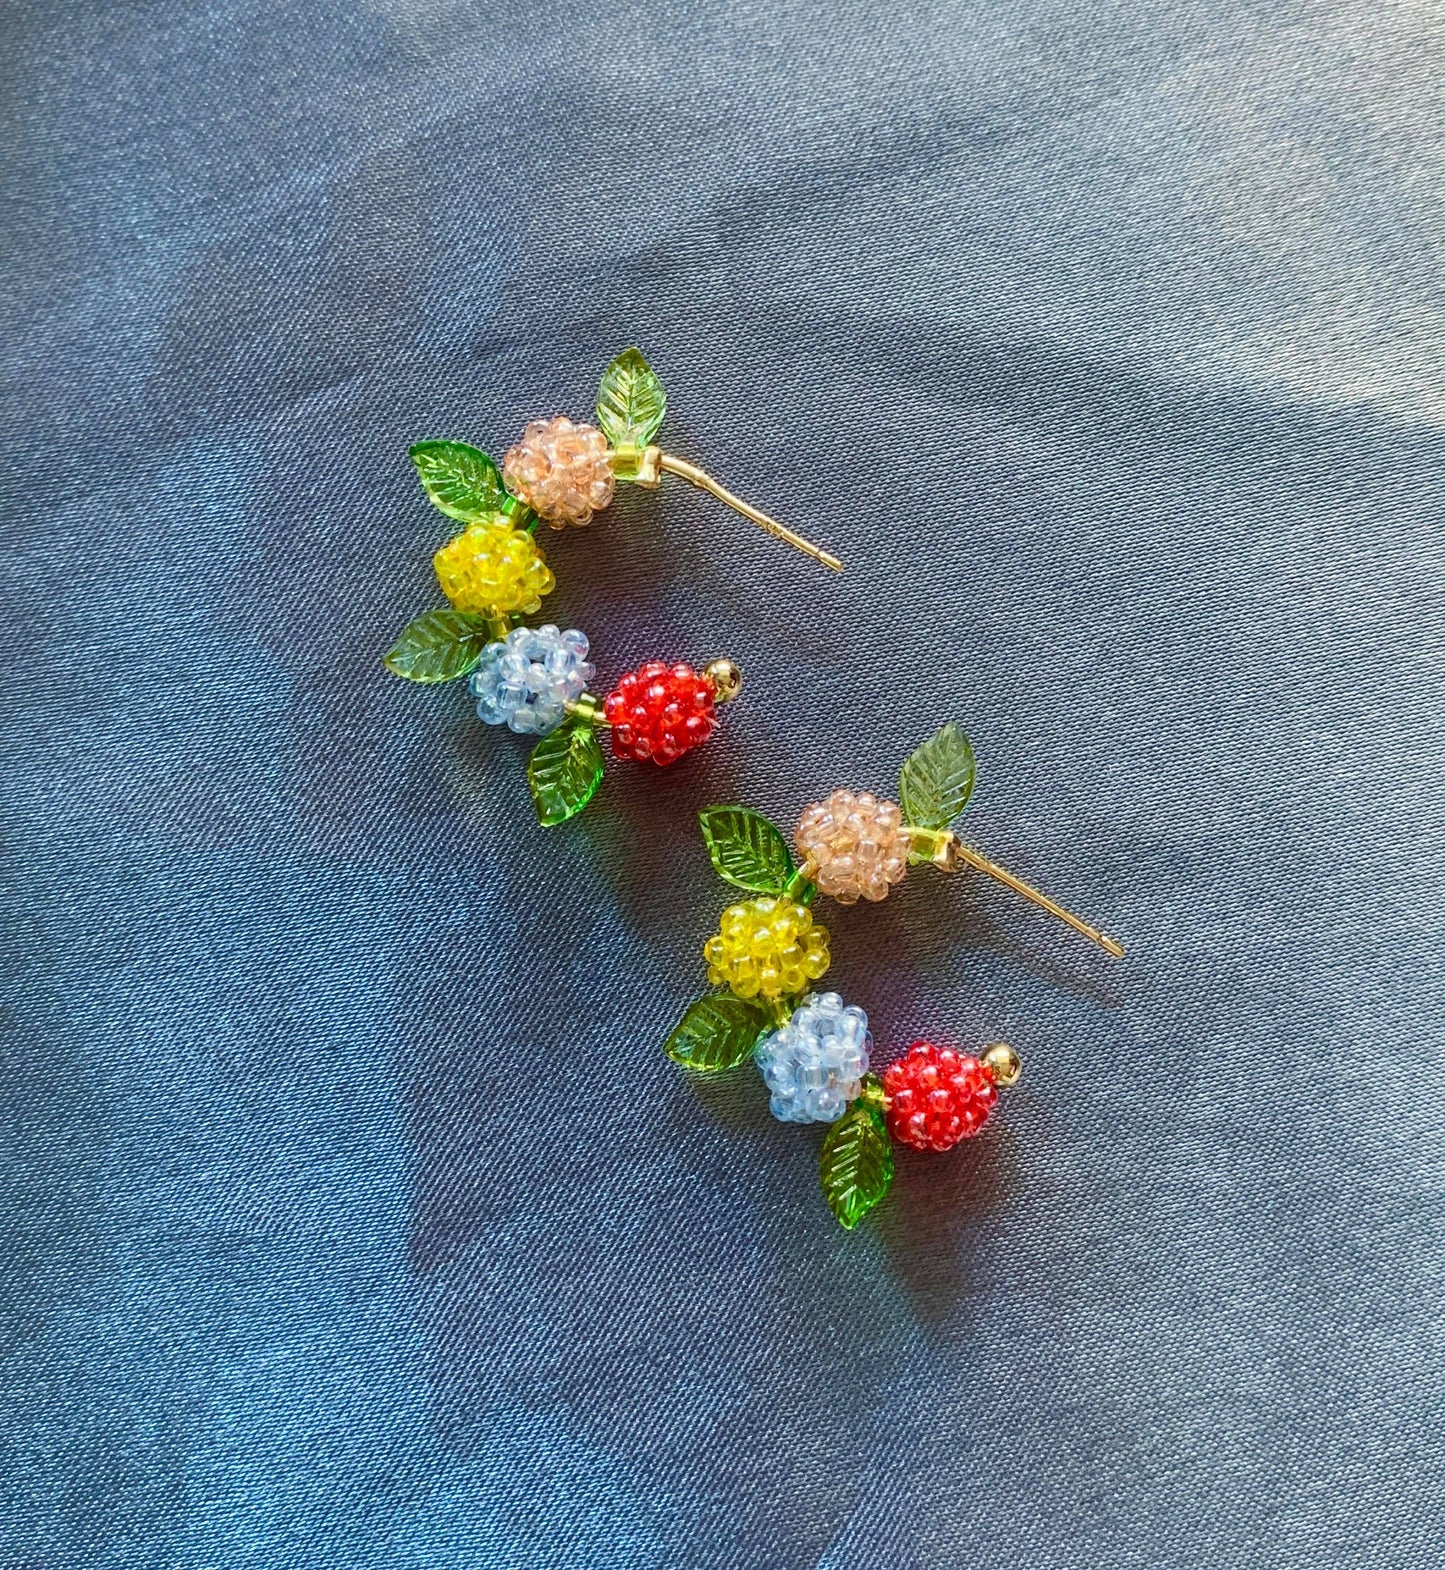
813, 1050
534, 679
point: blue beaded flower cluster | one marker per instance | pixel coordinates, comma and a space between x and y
526, 680
815, 1064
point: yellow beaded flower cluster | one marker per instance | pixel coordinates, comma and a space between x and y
766, 947
492, 569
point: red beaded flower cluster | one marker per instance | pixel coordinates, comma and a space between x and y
937, 1096
659, 712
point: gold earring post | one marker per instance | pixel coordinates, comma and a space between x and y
654, 459
950, 854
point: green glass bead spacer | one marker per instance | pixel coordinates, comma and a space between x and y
587, 709
801, 888
518, 514
872, 1094
636, 465
626, 461
927, 844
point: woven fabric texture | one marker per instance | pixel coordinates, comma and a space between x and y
352, 1216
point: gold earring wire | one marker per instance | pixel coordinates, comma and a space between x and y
654, 461
949, 855
631, 405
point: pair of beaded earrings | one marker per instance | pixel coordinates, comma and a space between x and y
813, 1050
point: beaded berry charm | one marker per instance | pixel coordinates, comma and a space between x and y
814, 1051
534, 679
931, 1098
935, 1097
565, 472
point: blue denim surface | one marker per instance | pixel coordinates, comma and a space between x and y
351, 1214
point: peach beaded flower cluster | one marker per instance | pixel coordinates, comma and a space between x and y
561, 470
853, 847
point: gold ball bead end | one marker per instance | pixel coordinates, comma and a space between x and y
1003, 1064
726, 679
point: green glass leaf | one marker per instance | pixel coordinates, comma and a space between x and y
935, 783
857, 1164
719, 1031
564, 772
462, 481
746, 849
630, 401
439, 646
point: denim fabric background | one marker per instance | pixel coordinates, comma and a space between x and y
351, 1215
